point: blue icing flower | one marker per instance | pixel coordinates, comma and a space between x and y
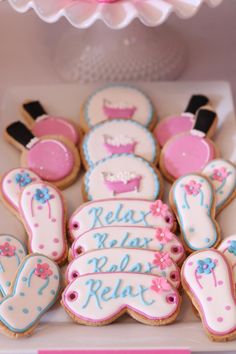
42, 195
23, 179
205, 266
232, 247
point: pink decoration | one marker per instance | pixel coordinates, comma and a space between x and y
43, 270
121, 149
7, 250
193, 188
220, 174
158, 208
162, 260
113, 112
118, 187
160, 284
164, 235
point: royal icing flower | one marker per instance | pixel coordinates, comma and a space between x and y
164, 235
23, 179
232, 247
192, 188
162, 260
219, 174
205, 266
7, 250
160, 284
42, 195
158, 208
43, 270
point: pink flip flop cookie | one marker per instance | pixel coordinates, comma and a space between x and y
228, 248
43, 213
207, 278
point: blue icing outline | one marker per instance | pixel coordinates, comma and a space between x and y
107, 122
208, 212
87, 102
22, 330
88, 173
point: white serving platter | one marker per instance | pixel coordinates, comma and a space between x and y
56, 330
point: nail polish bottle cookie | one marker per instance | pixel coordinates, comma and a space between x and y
53, 160
190, 152
179, 123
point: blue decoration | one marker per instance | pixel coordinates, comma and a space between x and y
8, 283
23, 179
232, 247
10, 308
103, 240
42, 195
205, 266
25, 310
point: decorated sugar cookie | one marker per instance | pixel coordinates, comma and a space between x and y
228, 248
189, 152
125, 260
54, 160
120, 212
138, 237
180, 123
123, 175
118, 101
43, 213
12, 251
12, 184
193, 201
207, 279
118, 136
99, 299
42, 124
33, 292
222, 174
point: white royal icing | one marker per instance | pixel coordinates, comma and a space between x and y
123, 176
223, 177
35, 290
193, 200
209, 279
13, 182
44, 220
228, 248
118, 140
100, 297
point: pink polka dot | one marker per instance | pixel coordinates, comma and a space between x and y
36, 225
28, 193
220, 282
228, 308
54, 254
190, 263
41, 247
219, 319
40, 207
9, 181
55, 240
209, 298
52, 196
54, 220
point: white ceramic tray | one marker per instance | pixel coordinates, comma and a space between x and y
56, 330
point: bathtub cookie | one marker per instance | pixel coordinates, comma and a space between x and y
222, 175
118, 101
12, 183
42, 210
123, 175
193, 201
207, 279
228, 249
41, 123
120, 212
99, 299
118, 136
53, 160
189, 152
33, 292
179, 123
12, 252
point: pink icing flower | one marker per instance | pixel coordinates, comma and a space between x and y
43, 271
158, 208
160, 284
163, 235
193, 188
7, 250
219, 174
162, 260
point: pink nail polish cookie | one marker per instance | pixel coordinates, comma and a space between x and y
228, 248
207, 279
118, 101
42, 210
12, 183
53, 160
41, 123
193, 201
125, 260
33, 292
137, 237
180, 123
190, 152
120, 212
122, 175
99, 299
222, 175
118, 136
12, 251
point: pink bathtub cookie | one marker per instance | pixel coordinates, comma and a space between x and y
54, 160
207, 278
180, 123
189, 152
42, 209
99, 299
228, 248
